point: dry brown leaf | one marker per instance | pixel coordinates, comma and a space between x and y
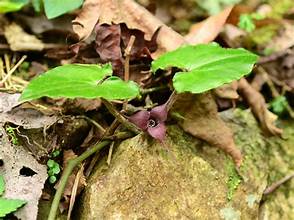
281, 69
258, 106
28, 118
130, 13
284, 40
108, 41
112, 40
75, 188
8, 101
81, 105
19, 40
207, 30
227, 91
202, 121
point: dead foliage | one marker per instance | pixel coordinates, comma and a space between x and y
200, 119
130, 13
258, 106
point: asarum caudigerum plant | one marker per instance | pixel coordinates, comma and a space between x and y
152, 121
204, 67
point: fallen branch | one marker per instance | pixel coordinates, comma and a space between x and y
277, 184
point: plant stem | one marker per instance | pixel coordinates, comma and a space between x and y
173, 97
127, 55
154, 89
71, 164
95, 123
120, 117
120, 135
277, 184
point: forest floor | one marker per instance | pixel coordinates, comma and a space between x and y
137, 131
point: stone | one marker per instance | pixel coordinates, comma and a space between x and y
181, 179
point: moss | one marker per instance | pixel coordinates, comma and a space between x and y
263, 35
233, 181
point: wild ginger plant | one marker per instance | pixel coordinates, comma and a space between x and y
202, 67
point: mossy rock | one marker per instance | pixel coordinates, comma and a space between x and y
191, 180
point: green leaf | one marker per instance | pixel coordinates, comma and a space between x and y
2, 185
50, 172
12, 5
246, 23
37, 4
50, 163
80, 80
279, 105
55, 8
56, 168
206, 66
8, 206
55, 153
215, 6
52, 179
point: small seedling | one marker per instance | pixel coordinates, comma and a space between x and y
12, 135
55, 153
279, 105
246, 21
53, 170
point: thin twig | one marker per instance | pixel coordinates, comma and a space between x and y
273, 89
110, 153
109, 131
11, 71
277, 184
120, 117
151, 90
127, 63
173, 97
74, 191
120, 135
127, 55
95, 123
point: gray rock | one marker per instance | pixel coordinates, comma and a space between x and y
189, 181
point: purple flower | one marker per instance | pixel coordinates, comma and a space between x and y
152, 121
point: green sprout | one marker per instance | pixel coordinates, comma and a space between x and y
246, 21
53, 170
55, 153
11, 134
279, 105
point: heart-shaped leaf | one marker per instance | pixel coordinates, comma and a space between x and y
80, 81
55, 8
10, 6
206, 66
9, 205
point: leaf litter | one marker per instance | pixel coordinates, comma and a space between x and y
19, 185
